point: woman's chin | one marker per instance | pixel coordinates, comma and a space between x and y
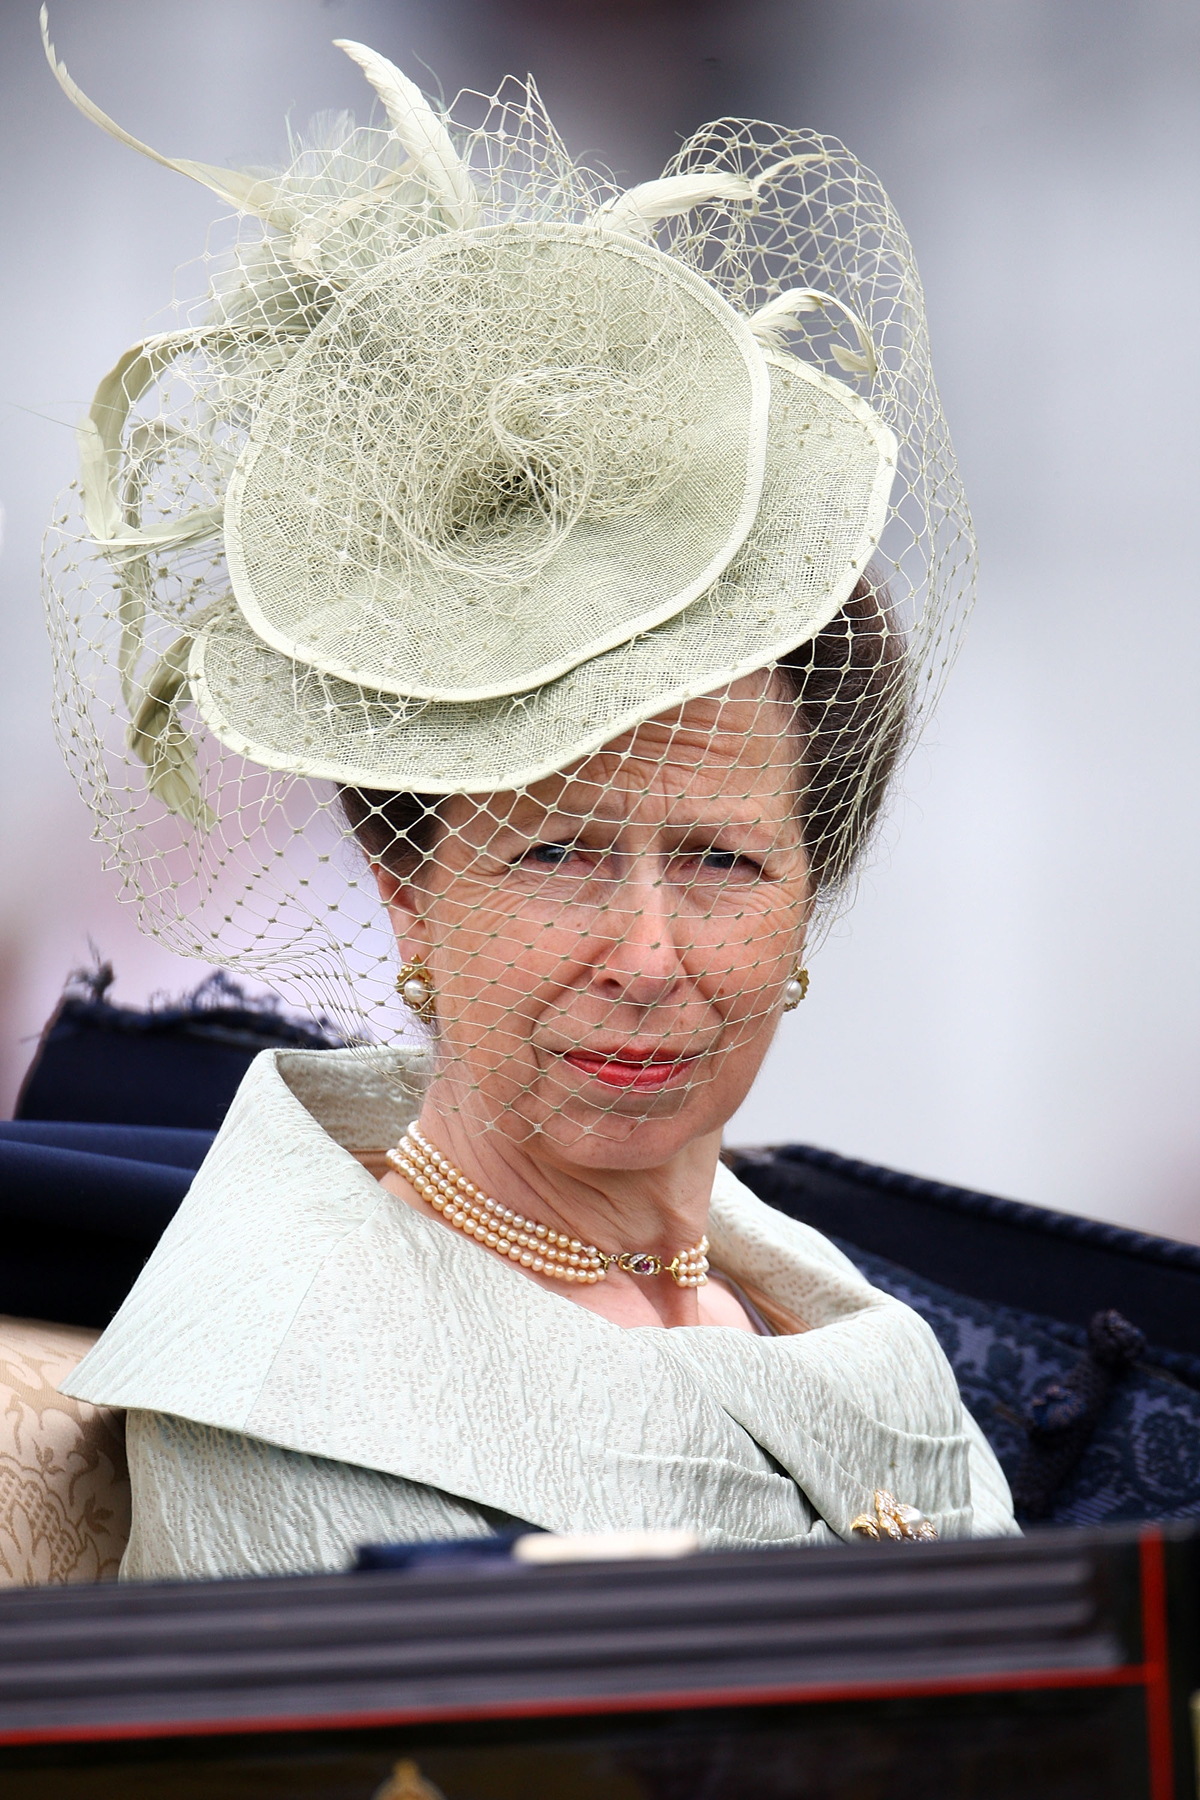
618, 1140
598, 1125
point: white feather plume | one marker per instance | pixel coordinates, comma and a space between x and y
157, 738
421, 132
785, 167
639, 210
772, 323
779, 317
248, 193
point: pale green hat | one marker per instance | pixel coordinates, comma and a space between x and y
469, 462
782, 587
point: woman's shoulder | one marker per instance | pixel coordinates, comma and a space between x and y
281, 1187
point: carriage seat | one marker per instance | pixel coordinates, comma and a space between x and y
64, 1485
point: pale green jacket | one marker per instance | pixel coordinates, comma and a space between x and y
309, 1364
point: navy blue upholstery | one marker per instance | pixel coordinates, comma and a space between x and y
177, 1064
1143, 1459
1043, 1262
81, 1208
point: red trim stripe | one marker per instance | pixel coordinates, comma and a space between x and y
1156, 1655
690, 1699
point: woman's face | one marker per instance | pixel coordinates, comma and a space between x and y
609, 947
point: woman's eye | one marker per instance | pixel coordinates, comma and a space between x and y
728, 862
710, 862
548, 856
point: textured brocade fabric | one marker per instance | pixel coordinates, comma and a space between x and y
214, 1503
64, 1487
387, 1364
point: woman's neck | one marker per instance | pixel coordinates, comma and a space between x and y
662, 1210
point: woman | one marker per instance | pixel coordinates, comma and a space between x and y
515, 533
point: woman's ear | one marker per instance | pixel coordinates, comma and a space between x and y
405, 902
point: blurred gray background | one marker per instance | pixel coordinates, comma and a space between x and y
1014, 1002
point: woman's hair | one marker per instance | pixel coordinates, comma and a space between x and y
849, 686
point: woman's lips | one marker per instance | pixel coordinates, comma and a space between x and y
647, 1074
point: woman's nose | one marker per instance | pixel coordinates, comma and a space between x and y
638, 960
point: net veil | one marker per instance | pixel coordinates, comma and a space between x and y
525, 581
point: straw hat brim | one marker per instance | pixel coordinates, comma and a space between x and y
829, 470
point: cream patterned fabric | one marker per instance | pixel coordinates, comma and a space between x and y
64, 1487
378, 1339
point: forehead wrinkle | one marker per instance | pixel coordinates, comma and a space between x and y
687, 746
620, 803
707, 730
611, 786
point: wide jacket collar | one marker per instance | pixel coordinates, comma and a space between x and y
293, 1299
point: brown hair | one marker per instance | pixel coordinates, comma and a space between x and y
848, 684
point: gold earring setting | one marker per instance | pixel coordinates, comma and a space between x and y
795, 988
414, 984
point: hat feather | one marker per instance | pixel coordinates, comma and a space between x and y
774, 321
249, 193
640, 209
420, 131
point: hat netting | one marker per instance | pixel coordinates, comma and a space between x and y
590, 559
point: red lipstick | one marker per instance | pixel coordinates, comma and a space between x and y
643, 1074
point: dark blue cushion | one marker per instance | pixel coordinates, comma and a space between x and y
81, 1208
177, 1064
168, 1146
1143, 1460
1053, 1264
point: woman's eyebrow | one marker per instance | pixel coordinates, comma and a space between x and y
748, 826
530, 817
535, 825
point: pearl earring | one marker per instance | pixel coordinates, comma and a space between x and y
794, 989
414, 984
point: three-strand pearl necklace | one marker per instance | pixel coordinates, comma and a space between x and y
536, 1247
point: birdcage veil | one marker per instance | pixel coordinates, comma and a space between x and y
474, 492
